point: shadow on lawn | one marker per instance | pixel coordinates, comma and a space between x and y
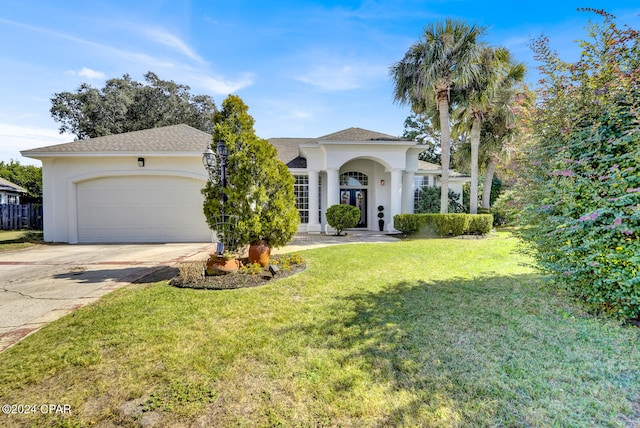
486, 351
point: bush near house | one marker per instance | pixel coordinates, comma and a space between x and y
342, 217
582, 183
444, 224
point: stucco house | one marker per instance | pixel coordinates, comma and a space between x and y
10, 193
144, 186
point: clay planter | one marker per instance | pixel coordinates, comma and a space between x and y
260, 252
220, 266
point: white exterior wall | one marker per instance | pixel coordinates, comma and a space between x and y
61, 176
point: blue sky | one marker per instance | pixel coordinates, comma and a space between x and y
304, 68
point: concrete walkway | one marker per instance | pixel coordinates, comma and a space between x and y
305, 241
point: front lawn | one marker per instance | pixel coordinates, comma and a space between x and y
11, 240
441, 332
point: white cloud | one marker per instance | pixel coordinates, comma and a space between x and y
221, 86
341, 78
87, 72
14, 138
165, 38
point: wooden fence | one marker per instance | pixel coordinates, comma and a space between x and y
22, 216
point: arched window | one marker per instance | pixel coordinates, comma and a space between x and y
354, 178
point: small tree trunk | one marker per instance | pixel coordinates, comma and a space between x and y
488, 180
443, 107
475, 147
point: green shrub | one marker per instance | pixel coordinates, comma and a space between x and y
342, 216
449, 224
409, 223
507, 209
582, 184
429, 201
444, 224
479, 224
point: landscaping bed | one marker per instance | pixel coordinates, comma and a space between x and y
190, 275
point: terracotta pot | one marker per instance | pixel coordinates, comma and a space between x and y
219, 265
260, 252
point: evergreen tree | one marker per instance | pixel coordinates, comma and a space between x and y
258, 197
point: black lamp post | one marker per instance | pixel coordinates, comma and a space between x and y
216, 165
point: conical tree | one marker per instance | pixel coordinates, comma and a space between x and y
258, 200
446, 59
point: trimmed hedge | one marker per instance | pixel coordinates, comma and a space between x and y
480, 224
444, 224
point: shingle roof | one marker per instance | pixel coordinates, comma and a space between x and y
289, 151
359, 134
184, 138
8, 186
174, 138
432, 167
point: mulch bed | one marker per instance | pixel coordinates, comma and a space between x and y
237, 279
288, 265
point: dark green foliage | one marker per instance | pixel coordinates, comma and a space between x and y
260, 188
479, 224
496, 190
583, 183
420, 128
444, 224
342, 216
409, 223
27, 176
429, 201
125, 105
507, 209
450, 224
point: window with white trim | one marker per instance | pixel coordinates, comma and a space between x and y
419, 182
301, 190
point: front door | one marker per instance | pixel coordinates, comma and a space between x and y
357, 198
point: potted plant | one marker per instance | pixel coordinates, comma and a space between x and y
220, 264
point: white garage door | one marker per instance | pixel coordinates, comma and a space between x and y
141, 209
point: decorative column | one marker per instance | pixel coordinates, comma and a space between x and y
314, 181
333, 191
395, 187
408, 190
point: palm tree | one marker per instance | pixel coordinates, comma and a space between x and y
483, 96
446, 59
499, 134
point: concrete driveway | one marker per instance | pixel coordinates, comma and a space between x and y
41, 284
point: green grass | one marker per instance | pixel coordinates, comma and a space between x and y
16, 239
441, 332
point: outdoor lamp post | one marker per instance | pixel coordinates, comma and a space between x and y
221, 148
209, 162
216, 165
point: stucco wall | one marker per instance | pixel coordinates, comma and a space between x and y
61, 175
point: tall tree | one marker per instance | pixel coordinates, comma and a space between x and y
258, 198
420, 128
487, 94
124, 105
446, 59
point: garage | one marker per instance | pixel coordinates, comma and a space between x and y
141, 208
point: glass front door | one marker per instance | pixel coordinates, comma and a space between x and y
357, 198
